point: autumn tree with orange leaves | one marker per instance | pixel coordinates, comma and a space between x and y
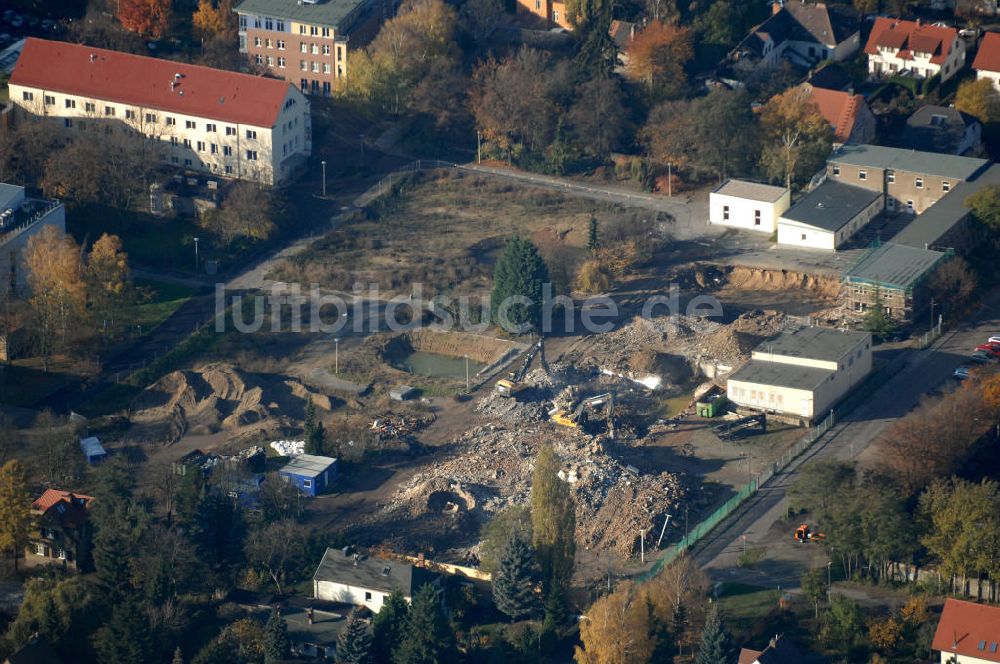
796, 137
209, 20
657, 57
145, 17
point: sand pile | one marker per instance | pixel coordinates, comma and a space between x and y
746, 278
217, 397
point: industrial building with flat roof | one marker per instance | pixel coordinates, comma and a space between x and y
828, 216
748, 205
801, 374
895, 275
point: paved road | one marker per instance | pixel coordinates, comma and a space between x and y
758, 519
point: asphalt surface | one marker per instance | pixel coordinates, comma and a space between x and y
759, 520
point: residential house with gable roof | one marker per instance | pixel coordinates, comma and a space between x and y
852, 120
987, 62
912, 48
943, 129
804, 33
63, 531
968, 633
347, 577
221, 122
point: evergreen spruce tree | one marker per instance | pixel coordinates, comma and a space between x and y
388, 625
49, 625
125, 637
276, 644
178, 656
659, 633
876, 320
716, 641
555, 605
519, 273
427, 637
593, 238
355, 643
313, 431
514, 585
111, 556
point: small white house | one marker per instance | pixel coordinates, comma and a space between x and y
749, 205
828, 216
346, 577
802, 373
987, 62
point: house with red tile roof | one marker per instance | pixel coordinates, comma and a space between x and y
852, 120
968, 633
912, 48
202, 119
987, 62
63, 531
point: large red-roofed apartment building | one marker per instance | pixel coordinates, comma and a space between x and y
225, 123
913, 48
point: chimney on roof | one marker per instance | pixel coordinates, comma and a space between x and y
93, 57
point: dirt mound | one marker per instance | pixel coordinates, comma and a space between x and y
733, 343
217, 397
746, 278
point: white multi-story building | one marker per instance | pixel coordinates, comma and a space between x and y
221, 122
912, 48
21, 218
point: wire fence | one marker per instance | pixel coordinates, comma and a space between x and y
704, 527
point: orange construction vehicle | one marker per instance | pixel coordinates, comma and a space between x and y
803, 534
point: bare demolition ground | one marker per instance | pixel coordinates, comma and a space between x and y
438, 468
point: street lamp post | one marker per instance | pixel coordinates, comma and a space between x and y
323, 165
479, 147
196, 255
829, 581
467, 373
336, 355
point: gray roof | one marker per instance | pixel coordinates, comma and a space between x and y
894, 265
826, 24
791, 376
934, 116
92, 446
928, 228
936, 129
308, 465
8, 194
324, 631
754, 191
832, 205
329, 12
914, 161
816, 343
371, 573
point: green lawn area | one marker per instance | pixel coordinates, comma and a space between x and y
163, 300
744, 604
148, 240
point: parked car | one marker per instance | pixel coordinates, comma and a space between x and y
979, 357
961, 373
993, 340
989, 349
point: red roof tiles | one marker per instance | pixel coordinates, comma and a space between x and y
52, 496
146, 82
988, 57
838, 108
969, 629
911, 36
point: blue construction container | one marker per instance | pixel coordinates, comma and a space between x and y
311, 474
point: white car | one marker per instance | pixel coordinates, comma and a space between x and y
961, 373
993, 340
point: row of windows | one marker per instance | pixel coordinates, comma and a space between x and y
269, 43
317, 67
270, 61
890, 177
150, 118
313, 87
202, 146
278, 24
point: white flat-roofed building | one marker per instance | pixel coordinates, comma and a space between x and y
828, 216
749, 205
22, 217
802, 373
226, 123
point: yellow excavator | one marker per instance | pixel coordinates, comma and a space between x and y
572, 419
512, 385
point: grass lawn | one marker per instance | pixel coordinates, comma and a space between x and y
148, 240
163, 300
744, 604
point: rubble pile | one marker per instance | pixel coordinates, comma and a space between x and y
394, 425
491, 469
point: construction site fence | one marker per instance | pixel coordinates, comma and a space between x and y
704, 527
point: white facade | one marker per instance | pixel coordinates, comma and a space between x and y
233, 150
949, 658
805, 382
331, 591
798, 233
29, 218
985, 74
885, 62
748, 205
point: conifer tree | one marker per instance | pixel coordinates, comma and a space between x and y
15, 509
178, 656
355, 643
388, 625
427, 638
593, 238
519, 273
716, 641
125, 638
276, 644
514, 585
